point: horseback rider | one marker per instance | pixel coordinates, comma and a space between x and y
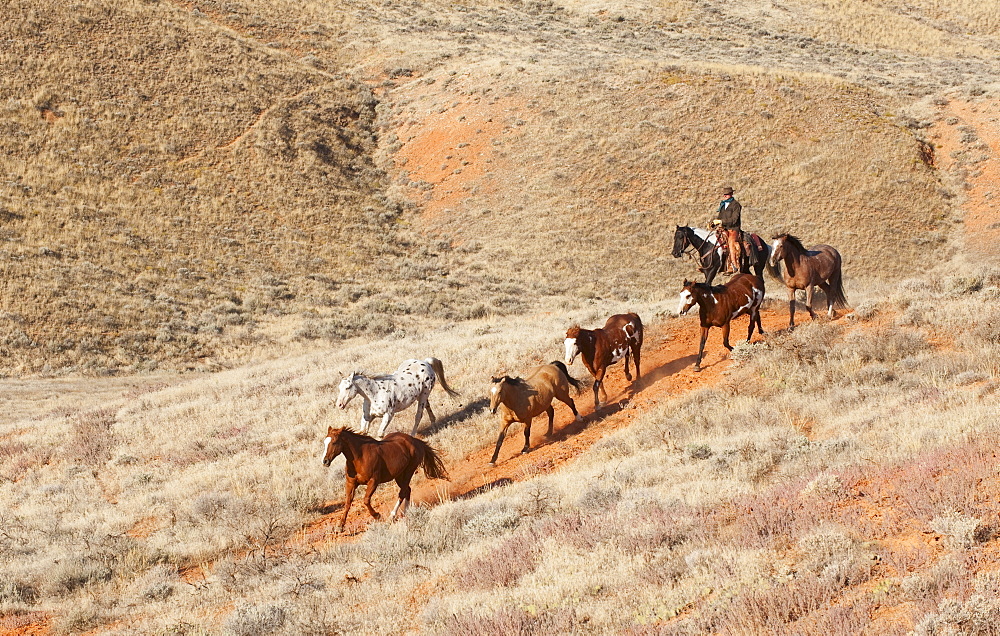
727, 226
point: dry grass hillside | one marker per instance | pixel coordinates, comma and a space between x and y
191, 184
227, 205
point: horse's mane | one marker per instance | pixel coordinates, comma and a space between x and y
573, 332
344, 431
791, 239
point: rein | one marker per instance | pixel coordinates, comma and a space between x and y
689, 238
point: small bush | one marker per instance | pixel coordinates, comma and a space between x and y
960, 531
250, 620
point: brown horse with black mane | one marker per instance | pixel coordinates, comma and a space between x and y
805, 268
718, 305
523, 399
620, 337
373, 462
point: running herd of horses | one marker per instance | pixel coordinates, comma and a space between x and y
397, 456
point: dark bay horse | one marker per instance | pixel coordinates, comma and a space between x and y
522, 399
805, 268
620, 337
718, 305
709, 255
373, 462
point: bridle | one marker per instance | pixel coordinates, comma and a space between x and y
690, 249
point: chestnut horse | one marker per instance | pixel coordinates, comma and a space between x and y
373, 462
804, 269
620, 337
523, 399
718, 305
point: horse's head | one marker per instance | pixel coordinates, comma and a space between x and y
347, 390
777, 249
572, 349
496, 392
687, 298
680, 242
333, 445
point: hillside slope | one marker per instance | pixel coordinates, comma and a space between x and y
189, 185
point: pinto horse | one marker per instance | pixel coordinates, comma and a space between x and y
806, 268
386, 395
620, 337
718, 305
710, 256
373, 462
522, 399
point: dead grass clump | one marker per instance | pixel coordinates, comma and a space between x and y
503, 565
92, 439
251, 620
978, 616
960, 531
512, 620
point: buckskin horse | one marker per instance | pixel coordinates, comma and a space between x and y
804, 269
372, 462
620, 337
522, 399
386, 395
718, 305
693, 240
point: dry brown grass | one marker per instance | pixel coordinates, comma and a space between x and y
283, 191
191, 185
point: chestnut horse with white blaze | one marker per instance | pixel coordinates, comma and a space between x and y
522, 399
805, 268
372, 462
620, 337
719, 304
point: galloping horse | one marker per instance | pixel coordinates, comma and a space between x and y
620, 337
709, 258
718, 305
386, 395
523, 399
804, 269
373, 462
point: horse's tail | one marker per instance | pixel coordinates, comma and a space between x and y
836, 296
439, 372
562, 367
432, 464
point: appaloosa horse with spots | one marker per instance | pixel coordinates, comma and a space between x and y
620, 337
804, 269
718, 305
372, 462
386, 395
523, 399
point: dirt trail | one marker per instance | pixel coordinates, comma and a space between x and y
668, 355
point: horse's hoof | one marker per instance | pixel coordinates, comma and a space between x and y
697, 368
492, 464
525, 451
340, 529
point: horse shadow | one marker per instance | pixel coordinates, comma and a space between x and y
660, 372
466, 412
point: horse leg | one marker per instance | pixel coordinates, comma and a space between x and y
369, 491
628, 354
366, 416
552, 418
725, 335
430, 413
701, 348
568, 401
635, 360
416, 422
791, 308
496, 451
403, 481
385, 424
809, 302
527, 435
754, 317
350, 484
830, 313
597, 387
604, 392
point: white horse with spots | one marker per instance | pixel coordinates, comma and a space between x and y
386, 395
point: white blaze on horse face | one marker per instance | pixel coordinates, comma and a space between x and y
326, 447
774, 251
571, 350
686, 302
